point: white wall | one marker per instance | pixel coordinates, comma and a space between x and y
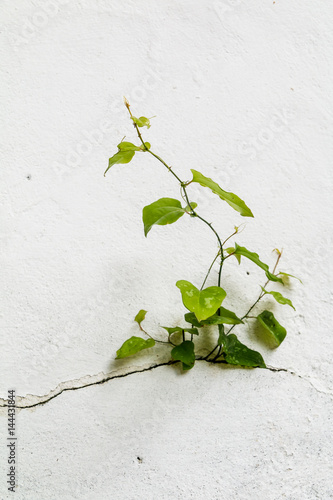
242, 92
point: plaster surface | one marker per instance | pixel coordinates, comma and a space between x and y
242, 92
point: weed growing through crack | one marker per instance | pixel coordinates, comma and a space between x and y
204, 305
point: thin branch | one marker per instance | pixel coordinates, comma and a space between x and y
220, 244
260, 296
211, 352
233, 234
246, 315
159, 341
183, 185
209, 270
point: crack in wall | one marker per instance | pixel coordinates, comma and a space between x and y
33, 401
302, 377
76, 384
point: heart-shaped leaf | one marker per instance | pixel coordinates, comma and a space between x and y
163, 211
255, 258
184, 353
202, 303
120, 157
233, 200
277, 331
236, 353
279, 298
134, 345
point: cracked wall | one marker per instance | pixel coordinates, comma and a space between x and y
241, 93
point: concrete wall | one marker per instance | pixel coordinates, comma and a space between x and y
242, 93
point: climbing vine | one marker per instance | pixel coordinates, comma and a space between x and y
204, 305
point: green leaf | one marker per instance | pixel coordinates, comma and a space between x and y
189, 208
232, 250
163, 211
128, 146
191, 318
255, 258
184, 353
222, 335
233, 200
279, 298
140, 316
178, 329
120, 157
213, 320
134, 345
226, 317
126, 151
142, 121
236, 353
202, 303
277, 331
289, 276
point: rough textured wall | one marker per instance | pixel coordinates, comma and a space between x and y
242, 92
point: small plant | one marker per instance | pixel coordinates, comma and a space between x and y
204, 305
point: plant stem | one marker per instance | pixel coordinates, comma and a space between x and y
194, 214
183, 185
233, 234
218, 354
211, 352
159, 341
246, 315
220, 244
145, 147
209, 270
230, 254
165, 164
260, 296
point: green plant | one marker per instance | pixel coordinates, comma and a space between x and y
204, 304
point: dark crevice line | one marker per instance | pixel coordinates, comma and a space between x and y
112, 377
273, 369
103, 381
